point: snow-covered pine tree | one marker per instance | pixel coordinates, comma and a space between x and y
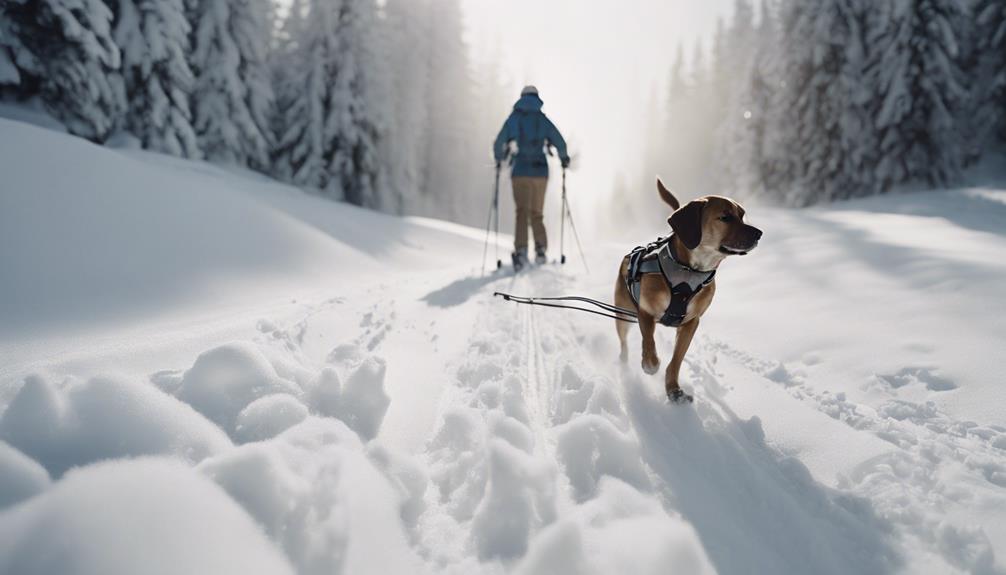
10, 46
361, 161
232, 96
331, 138
453, 161
494, 96
654, 157
153, 36
283, 65
672, 156
989, 72
408, 28
735, 134
700, 116
719, 72
921, 87
677, 87
63, 51
766, 86
827, 132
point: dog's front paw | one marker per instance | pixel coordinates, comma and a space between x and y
678, 396
651, 366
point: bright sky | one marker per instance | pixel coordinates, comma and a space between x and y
596, 64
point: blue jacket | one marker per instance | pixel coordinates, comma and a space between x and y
532, 131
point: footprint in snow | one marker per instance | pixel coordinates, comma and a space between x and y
921, 375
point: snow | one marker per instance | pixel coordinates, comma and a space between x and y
620, 531
315, 492
269, 416
363, 402
103, 418
21, 477
228, 375
142, 516
225, 380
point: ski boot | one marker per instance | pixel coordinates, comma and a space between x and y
539, 256
519, 259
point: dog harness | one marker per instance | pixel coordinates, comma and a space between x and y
683, 281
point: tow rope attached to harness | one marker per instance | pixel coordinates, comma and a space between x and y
683, 282
545, 301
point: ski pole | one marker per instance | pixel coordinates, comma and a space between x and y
493, 206
562, 228
496, 207
572, 224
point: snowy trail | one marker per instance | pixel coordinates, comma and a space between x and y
748, 502
516, 442
352, 399
591, 420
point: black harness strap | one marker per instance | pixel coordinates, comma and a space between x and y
683, 282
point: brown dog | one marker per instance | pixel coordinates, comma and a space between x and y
706, 231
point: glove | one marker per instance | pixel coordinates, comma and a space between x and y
565, 162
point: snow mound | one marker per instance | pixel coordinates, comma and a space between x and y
407, 476
520, 497
324, 391
104, 418
620, 531
146, 516
269, 416
20, 476
457, 462
591, 447
364, 402
226, 379
90, 234
316, 493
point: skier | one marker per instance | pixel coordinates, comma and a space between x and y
532, 131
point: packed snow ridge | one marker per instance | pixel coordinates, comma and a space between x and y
307, 387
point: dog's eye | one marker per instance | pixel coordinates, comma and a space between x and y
726, 218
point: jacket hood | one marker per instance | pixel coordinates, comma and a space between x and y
528, 103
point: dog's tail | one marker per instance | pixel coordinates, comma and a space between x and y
667, 196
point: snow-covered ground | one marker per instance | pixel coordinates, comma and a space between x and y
206, 372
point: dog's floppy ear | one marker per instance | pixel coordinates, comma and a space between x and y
667, 196
687, 223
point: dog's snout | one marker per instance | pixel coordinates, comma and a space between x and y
750, 234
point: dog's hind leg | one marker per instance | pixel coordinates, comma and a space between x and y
622, 327
622, 300
681, 343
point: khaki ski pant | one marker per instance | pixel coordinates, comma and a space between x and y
529, 196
